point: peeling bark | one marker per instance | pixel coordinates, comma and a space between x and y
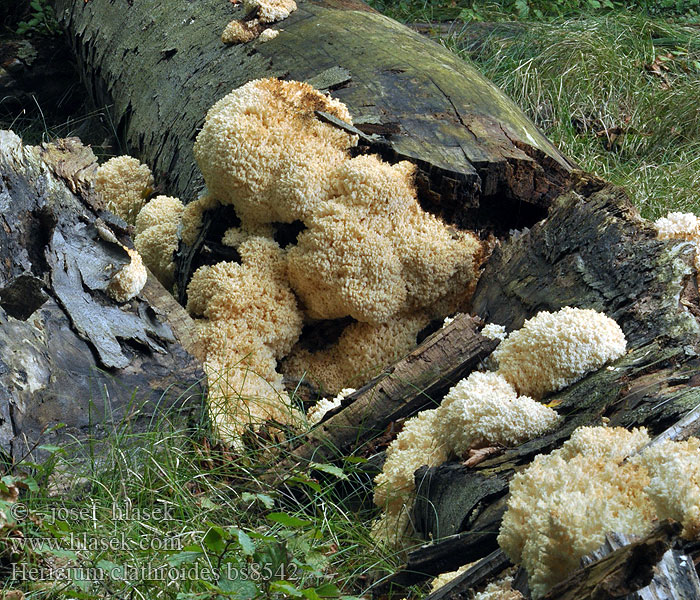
68, 353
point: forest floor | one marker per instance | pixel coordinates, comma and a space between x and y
184, 518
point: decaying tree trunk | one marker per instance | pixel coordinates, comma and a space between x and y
162, 65
482, 165
402, 390
69, 354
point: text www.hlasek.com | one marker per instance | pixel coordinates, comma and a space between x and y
84, 542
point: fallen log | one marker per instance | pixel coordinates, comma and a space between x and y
410, 385
160, 67
71, 355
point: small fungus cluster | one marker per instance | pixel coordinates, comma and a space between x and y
124, 184
553, 350
260, 13
681, 226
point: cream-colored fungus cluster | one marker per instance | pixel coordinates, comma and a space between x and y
360, 353
681, 226
264, 12
124, 184
562, 505
481, 410
129, 280
488, 408
156, 236
367, 251
316, 413
674, 468
553, 350
484, 410
250, 319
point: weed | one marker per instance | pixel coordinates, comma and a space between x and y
42, 20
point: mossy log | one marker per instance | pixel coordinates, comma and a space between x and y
160, 66
70, 354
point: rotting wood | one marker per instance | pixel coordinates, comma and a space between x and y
413, 383
567, 260
462, 586
646, 569
73, 356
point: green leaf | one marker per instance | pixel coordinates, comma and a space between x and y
311, 594
242, 589
50, 448
31, 483
288, 520
314, 485
330, 469
264, 499
328, 590
182, 558
247, 545
214, 539
284, 587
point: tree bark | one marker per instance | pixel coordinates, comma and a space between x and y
162, 65
69, 354
410, 385
645, 569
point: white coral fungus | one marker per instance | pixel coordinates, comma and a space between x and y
129, 280
479, 411
494, 331
156, 236
674, 488
484, 410
251, 320
240, 32
553, 350
268, 34
270, 11
316, 413
124, 184
681, 226
362, 350
677, 225
562, 505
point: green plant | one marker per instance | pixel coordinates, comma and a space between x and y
42, 20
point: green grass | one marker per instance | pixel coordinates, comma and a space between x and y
617, 94
171, 502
